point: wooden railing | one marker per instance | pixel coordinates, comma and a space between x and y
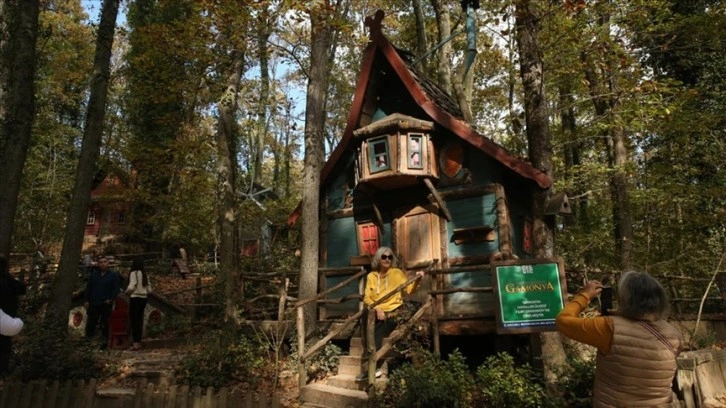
375, 355
303, 353
437, 292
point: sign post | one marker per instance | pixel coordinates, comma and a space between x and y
529, 294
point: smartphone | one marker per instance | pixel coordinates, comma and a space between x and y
606, 300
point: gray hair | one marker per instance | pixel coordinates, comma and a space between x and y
641, 297
377, 257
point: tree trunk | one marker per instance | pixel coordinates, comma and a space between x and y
443, 23
603, 91
263, 117
621, 202
60, 298
421, 41
321, 35
20, 17
572, 153
540, 154
227, 202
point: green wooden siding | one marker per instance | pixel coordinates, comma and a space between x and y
469, 213
341, 241
469, 303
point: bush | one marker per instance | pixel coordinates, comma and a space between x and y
429, 381
47, 354
575, 381
322, 364
229, 356
501, 384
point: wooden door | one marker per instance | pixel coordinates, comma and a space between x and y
418, 237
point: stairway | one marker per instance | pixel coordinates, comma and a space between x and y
341, 390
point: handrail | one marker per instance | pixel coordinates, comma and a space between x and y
333, 333
332, 289
300, 323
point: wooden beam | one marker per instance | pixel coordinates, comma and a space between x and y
467, 327
439, 200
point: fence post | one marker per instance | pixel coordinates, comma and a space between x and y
197, 298
371, 347
302, 372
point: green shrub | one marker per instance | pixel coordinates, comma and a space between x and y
502, 384
44, 353
227, 357
322, 364
575, 382
429, 381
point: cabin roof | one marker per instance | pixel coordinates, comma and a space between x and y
431, 98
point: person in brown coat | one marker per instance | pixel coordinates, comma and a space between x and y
636, 346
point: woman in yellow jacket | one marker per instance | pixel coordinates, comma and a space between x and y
384, 278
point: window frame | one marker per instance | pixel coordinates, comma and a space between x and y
410, 150
91, 217
373, 155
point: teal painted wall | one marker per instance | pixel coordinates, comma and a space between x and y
467, 213
341, 241
336, 188
471, 212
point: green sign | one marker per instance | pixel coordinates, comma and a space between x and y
529, 293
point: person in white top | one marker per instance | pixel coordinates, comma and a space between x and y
9, 326
138, 289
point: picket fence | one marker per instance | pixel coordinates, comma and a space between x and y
82, 394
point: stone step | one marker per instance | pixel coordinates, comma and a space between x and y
356, 346
350, 360
346, 369
347, 381
333, 397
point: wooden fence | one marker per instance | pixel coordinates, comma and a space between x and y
81, 394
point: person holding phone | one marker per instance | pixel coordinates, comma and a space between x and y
636, 346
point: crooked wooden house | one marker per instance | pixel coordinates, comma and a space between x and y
411, 174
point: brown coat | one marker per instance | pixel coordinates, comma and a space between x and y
638, 371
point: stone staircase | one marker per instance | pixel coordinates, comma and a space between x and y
152, 365
341, 390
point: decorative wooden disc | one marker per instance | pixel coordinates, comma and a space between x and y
451, 159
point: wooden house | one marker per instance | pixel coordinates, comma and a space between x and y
411, 174
107, 212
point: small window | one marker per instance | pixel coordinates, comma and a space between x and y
379, 155
473, 235
121, 217
367, 238
91, 218
415, 160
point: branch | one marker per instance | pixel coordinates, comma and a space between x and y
708, 288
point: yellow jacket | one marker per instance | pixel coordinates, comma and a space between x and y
378, 286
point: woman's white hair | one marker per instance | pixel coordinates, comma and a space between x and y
377, 257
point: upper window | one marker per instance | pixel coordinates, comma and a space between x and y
378, 153
91, 218
415, 160
121, 217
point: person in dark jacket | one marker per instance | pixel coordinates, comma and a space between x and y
101, 291
10, 289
